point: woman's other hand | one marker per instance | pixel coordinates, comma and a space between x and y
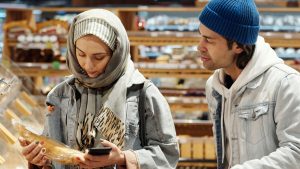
115, 157
34, 152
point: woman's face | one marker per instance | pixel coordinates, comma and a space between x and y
92, 54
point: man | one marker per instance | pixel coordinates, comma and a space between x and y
253, 97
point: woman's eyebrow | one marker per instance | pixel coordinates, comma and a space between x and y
79, 49
99, 53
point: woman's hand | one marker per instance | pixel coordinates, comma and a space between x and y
116, 156
34, 152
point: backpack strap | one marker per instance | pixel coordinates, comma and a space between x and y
142, 111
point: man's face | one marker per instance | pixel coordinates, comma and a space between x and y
214, 51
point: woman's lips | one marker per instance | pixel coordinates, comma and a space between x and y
91, 73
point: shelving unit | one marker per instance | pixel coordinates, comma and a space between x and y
137, 37
128, 16
15, 104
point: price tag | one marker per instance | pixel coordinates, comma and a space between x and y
288, 36
154, 34
179, 34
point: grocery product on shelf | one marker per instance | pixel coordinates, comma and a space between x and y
10, 86
11, 156
15, 104
163, 44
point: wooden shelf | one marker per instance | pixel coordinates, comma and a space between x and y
280, 39
272, 3
163, 38
178, 73
188, 107
297, 67
281, 8
38, 72
207, 164
194, 128
180, 91
46, 69
276, 39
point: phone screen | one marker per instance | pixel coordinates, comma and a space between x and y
99, 151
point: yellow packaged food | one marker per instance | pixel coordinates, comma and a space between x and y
55, 150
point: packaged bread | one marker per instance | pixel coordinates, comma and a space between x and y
55, 150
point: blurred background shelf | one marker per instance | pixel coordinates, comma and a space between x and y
164, 42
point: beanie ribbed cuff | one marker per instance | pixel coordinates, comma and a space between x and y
222, 19
98, 28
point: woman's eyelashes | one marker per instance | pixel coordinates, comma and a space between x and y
99, 56
81, 54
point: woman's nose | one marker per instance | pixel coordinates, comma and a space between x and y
89, 64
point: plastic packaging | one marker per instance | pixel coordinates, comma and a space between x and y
10, 151
55, 150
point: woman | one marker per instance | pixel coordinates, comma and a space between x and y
98, 105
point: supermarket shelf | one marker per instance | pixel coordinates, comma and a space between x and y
202, 3
188, 107
12, 42
36, 72
197, 163
163, 38
296, 66
46, 69
181, 91
281, 8
38, 69
178, 73
195, 128
281, 39
276, 39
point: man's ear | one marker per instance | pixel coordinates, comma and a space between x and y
236, 48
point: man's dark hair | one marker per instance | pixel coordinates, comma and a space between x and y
245, 56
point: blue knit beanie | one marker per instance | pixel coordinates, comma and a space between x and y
236, 20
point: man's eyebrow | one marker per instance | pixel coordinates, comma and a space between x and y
207, 37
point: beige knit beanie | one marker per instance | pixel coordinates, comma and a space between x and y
97, 27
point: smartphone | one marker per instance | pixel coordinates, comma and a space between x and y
99, 150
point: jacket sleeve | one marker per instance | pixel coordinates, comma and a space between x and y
287, 120
162, 149
52, 121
